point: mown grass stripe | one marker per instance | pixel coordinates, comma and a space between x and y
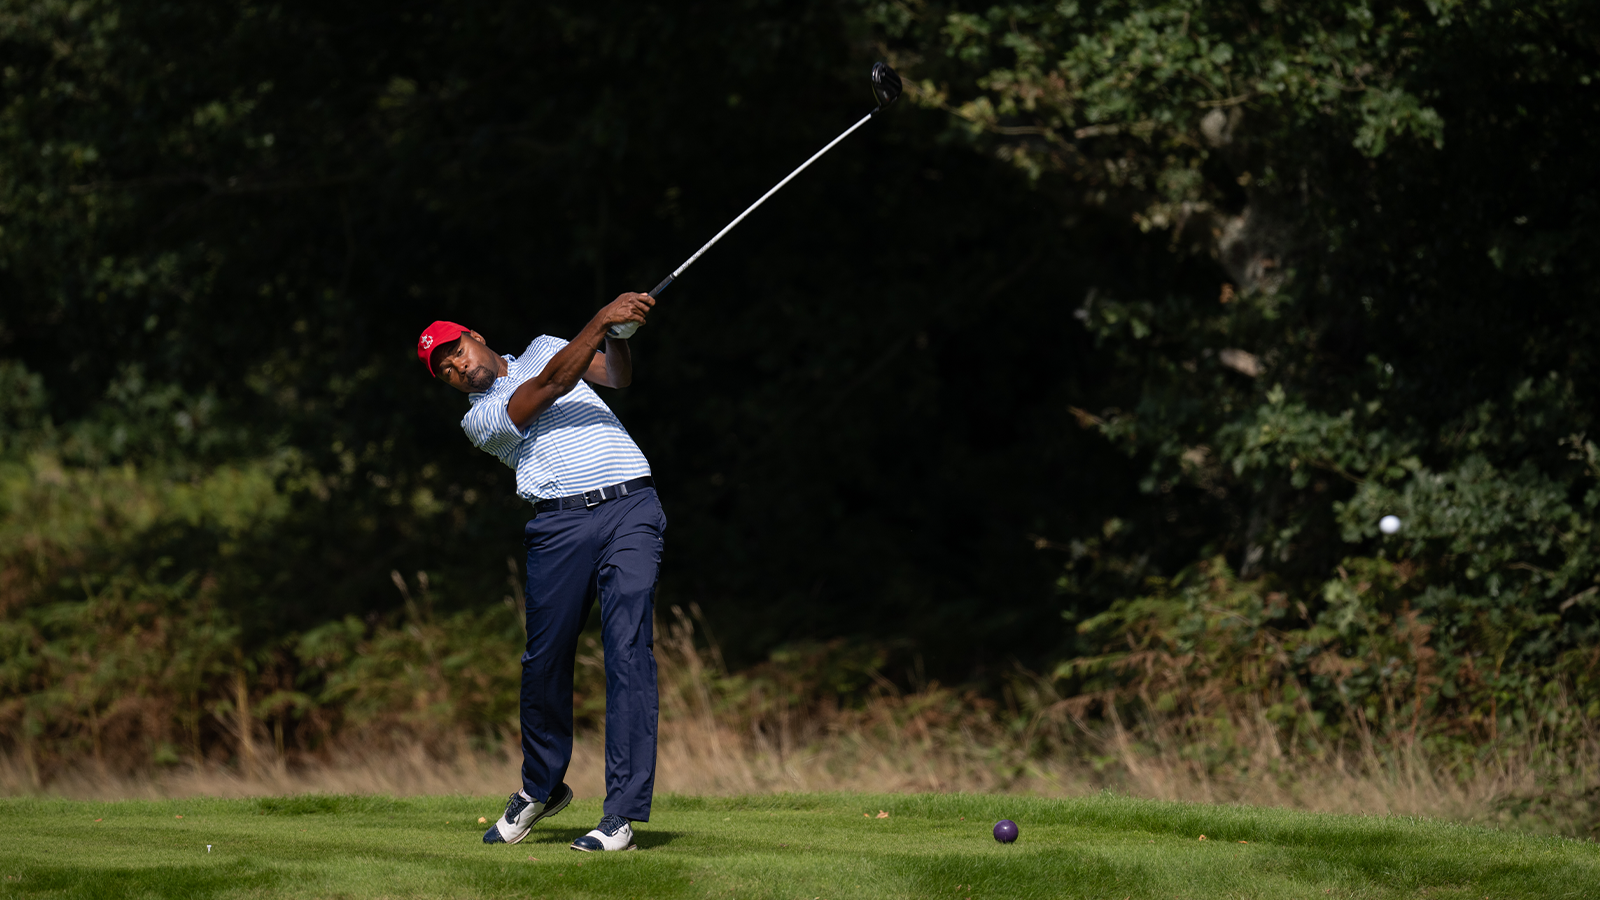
791, 846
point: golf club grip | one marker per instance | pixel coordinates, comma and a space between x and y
625, 330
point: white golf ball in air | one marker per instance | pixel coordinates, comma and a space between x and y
1389, 524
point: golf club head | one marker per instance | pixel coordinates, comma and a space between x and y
885, 84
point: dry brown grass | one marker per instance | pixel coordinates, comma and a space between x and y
717, 739
698, 756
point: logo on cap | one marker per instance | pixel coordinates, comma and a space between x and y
437, 333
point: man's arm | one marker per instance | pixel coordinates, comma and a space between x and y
613, 368
576, 359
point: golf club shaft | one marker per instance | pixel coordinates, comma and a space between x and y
729, 227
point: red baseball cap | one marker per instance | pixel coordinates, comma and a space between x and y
434, 335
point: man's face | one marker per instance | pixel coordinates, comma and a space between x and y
467, 364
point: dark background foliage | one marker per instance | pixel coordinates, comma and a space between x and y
856, 405
1127, 307
1400, 197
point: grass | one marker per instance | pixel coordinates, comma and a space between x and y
792, 846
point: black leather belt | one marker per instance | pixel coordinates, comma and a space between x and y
591, 499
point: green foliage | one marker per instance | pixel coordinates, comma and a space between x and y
433, 679
1138, 96
1206, 657
1405, 242
124, 675
1290, 266
224, 226
23, 418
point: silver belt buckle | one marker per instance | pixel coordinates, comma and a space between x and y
593, 498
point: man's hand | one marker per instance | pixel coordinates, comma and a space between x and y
632, 307
578, 360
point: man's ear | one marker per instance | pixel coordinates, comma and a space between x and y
475, 336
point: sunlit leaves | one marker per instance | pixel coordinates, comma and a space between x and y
1403, 239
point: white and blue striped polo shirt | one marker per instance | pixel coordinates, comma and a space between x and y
576, 445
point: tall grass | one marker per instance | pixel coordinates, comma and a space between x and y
778, 727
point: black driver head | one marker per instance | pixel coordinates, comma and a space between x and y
885, 84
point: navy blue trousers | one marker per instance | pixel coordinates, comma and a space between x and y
614, 551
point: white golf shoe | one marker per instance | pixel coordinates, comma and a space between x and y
613, 833
521, 813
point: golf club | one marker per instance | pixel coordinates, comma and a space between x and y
885, 87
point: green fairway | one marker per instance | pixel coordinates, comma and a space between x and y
796, 846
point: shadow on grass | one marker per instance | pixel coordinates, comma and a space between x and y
1403, 870
326, 805
1008, 873
99, 883
560, 837
650, 840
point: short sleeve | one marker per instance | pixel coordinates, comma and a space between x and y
544, 348
490, 428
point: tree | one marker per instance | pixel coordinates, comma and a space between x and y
1399, 212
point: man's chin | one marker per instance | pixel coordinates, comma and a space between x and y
480, 380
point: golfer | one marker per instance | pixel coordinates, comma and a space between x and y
596, 530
